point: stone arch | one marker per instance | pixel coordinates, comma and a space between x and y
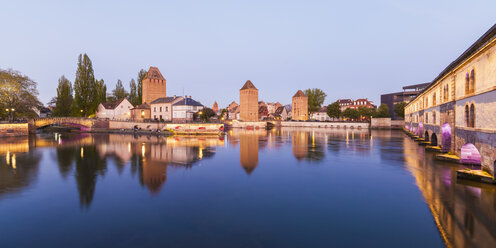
446, 137
469, 154
433, 139
426, 136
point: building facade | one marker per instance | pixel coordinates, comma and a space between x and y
161, 108
457, 110
141, 112
118, 110
409, 92
300, 106
153, 85
248, 102
183, 110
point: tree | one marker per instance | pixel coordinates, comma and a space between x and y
133, 94
17, 92
316, 98
351, 113
399, 109
206, 113
334, 110
85, 103
141, 76
119, 91
366, 112
64, 98
383, 111
101, 90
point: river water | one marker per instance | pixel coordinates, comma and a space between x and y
278, 188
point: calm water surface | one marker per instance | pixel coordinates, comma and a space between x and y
279, 188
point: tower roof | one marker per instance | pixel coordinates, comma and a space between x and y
248, 85
154, 73
300, 94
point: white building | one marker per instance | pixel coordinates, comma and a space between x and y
161, 108
184, 109
281, 113
118, 110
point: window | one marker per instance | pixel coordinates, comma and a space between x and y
166, 108
467, 82
154, 109
472, 81
472, 115
434, 99
467, 116
434, 117
160, 109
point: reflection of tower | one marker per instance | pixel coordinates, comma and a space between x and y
299, 143
248, 150
154, 175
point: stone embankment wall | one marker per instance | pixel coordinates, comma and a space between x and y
14, 129
386, 123
337, 125
249, 124
200, 127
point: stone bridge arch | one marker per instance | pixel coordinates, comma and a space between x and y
85, 124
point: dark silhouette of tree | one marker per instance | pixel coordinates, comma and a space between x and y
316, 98
85, 90
17, 92
334, 110
64, 98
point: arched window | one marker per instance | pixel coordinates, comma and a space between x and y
434, 117
472, 115
467, 116
467, 82
472, 81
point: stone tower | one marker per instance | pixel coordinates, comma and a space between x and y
300, 106
154, 86
248, 102
215, 107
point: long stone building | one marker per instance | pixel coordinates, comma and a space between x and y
300, 106
248, 102
457, 110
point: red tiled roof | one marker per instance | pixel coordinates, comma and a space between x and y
299, 93
248, 85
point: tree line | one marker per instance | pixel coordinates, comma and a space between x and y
83, 97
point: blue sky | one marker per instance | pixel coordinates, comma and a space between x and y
349, 49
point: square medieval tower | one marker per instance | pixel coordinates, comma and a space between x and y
300, 106
153, 86
248, 102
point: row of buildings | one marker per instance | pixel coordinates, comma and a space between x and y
155, 103
455, 111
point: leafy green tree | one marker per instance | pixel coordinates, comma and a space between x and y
141, 76
17, 92
64, 98
399, 109
101, 90
316, 98
206, 113
383, 111
351, 113
133, 93
85, 103
334, 110
366, 112
119, 91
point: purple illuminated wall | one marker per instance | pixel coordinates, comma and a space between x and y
446, 137
420, 129
470, 154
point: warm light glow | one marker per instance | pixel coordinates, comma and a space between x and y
82, 152
12, 109
143, 149
200, 153
129, 146
14, 161
7, 158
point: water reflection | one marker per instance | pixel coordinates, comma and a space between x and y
18, 165
464, 212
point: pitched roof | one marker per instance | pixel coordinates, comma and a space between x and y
142, 106
323, 109
299, 93
188, 102
165, 100
154, 73
112, 105
248, 85
279, 111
